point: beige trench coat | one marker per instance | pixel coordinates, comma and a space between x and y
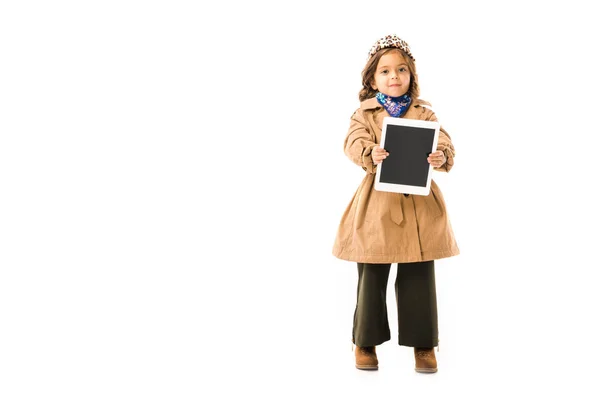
384, 227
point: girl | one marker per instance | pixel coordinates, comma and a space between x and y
380, 228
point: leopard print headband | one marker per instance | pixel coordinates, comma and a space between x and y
390, 41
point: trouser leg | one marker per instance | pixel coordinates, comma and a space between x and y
371, 326
417, 304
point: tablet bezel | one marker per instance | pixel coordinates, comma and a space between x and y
399, 188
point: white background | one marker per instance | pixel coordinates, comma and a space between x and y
172, 176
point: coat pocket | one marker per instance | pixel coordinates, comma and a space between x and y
433, 204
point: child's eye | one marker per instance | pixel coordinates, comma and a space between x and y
402, 69
385, 71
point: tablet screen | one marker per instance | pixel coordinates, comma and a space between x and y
409, 148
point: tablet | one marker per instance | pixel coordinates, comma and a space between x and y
408, 142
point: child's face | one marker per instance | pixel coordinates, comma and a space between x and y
392, 76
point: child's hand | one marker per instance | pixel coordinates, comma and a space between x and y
378, 155
436, 159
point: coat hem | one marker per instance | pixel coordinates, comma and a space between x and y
390, 258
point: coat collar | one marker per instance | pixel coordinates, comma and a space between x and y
370, 104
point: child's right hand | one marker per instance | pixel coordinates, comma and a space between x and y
378, 155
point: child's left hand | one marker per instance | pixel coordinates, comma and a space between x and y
436, 159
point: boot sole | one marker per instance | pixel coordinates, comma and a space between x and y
426, 370
367, 367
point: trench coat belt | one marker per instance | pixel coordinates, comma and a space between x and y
397, 214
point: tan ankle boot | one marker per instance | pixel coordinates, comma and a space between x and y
366, 357
425, 360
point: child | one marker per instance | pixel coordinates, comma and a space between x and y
379, 228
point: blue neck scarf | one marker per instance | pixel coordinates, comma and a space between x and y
395, 106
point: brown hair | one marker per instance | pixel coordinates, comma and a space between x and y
368, 75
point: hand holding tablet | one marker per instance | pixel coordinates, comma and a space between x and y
378, 155
437, 159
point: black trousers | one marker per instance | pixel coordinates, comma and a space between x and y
416, 303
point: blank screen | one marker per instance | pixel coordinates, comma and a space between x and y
409, 148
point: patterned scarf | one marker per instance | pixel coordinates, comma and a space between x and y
395, 106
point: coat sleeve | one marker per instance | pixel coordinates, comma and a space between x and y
444, 144
360, 142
